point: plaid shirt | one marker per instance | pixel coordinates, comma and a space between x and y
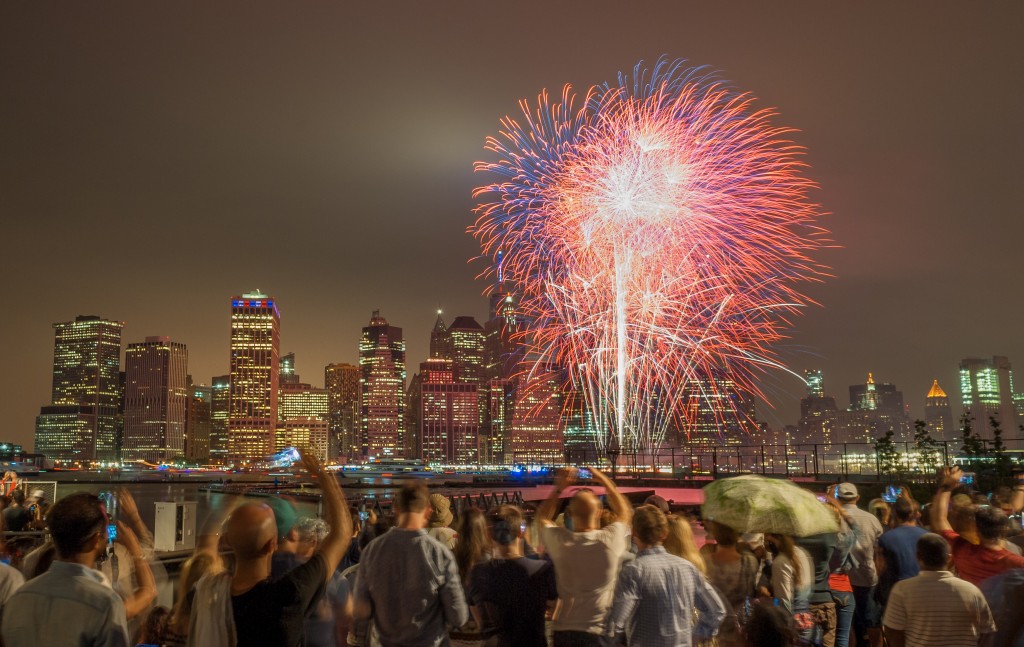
655, 598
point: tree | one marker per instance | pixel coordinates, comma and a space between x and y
1001, 461
929, 453
887, 454
973, 446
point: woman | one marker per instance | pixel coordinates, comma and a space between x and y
792, 573
176, 629
473, 544
838, 579
733, 573
680, 542
472, 549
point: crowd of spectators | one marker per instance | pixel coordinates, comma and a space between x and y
584, 569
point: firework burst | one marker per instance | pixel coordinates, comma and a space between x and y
656, 230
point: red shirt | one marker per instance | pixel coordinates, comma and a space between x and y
975, 563
840, 582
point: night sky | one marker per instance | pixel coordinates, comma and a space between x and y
158, 157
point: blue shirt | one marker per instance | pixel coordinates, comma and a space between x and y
409, 584
655, 598
69, 605
900, 546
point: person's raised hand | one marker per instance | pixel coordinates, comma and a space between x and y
126, 537
311, 463
565, 477
126, 504
949, 477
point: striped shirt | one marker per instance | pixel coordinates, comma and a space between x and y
655, 598
938, 609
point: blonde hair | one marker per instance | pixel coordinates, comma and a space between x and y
194, 568
680, 542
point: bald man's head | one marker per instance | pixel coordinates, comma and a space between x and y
585, 509
252, 531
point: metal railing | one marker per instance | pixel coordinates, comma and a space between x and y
807, 460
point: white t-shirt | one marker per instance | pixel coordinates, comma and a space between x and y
586, 567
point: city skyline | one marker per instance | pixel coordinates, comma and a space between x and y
293, 151
257, 323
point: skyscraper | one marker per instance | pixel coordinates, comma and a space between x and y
535, 434
81, 422
155, 400
198, 423
303, 414
382, 388
220, 407
342, 383
875, 408
287, 374
986, 389
819, 413
439, 339
815, 383
255, 375
938, 414
715, 412
503, 352
449, 418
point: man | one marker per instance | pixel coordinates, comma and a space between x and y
863, 578
935, 608
511, 592
896, 558
16, 516
657, 592
586, 558
333, 610
974, 562
286, 520
248, 607
408, 586
70, 604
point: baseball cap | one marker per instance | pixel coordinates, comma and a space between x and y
284, 515
846, 491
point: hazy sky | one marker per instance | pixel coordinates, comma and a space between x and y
158, 157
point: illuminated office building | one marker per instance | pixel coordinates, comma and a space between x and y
875, 409
939, 415
716, 412
580, 430
307, 433
303, 401
198, 423
815, 384
255, 377
535, 434
286, 372
819, 414
155, 400
304, 418
503, 352
220, 399
342, 384
81, 422
448, 419
439, 339
986, 390
382, 388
